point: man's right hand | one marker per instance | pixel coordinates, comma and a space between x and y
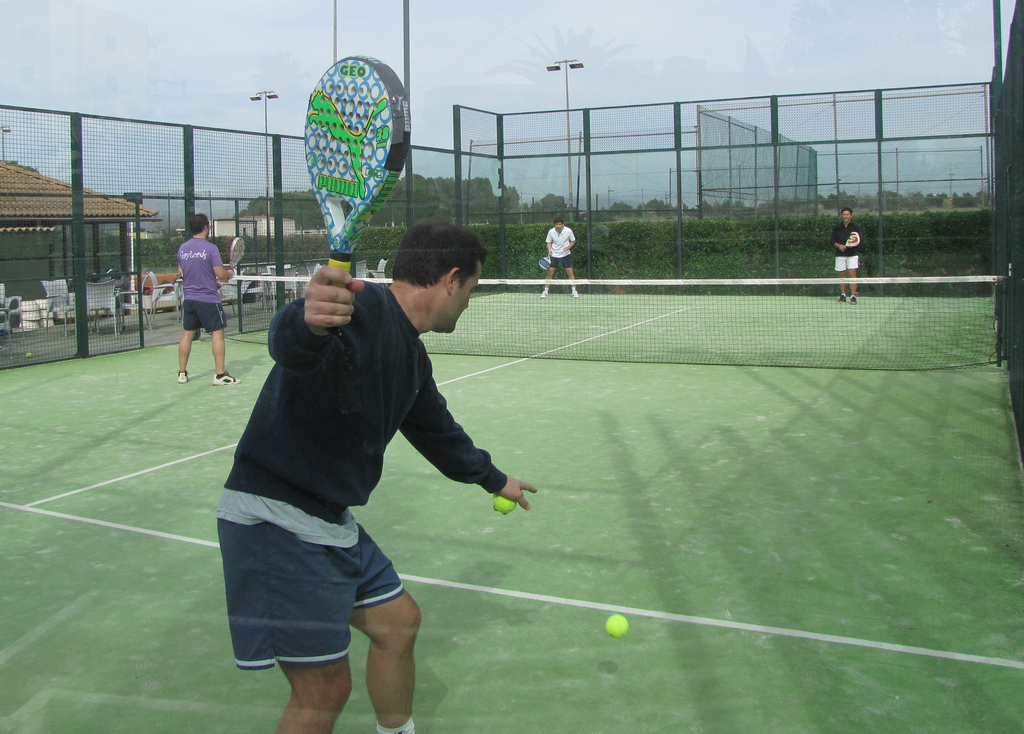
329, 299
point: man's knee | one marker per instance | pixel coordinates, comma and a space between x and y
394, 624
324, 689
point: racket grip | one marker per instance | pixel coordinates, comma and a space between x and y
341, 260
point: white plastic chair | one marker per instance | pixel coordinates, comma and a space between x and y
101, 298
162, 294
60, 301
378, 272
10, 308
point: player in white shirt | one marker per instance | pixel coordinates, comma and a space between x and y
560, 241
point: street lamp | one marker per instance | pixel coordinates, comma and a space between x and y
558, 66
265, 95
4, 129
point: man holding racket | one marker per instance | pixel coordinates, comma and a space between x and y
350, 372
846, 238
201, 270
560, 241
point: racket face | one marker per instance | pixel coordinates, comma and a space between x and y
853, 240
544, 263
357, 139
237, 251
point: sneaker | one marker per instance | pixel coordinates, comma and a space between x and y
544, 294
842, 298
182, 376
225, 379
853, 299
575, 294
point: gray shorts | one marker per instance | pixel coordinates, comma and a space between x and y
290, 600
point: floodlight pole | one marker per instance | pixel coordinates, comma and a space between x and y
265, 95
4, 130
557, 66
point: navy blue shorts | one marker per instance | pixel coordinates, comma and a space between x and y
565, 262
290, 600
199, 313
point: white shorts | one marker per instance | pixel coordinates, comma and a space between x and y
847, 263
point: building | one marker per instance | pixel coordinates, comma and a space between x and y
35, 230
252, 227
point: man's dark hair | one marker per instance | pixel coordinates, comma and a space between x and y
559, 220
846, 209
430, 250
197, 223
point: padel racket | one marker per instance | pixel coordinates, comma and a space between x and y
853, 240
237, 252
544, 263
357, 138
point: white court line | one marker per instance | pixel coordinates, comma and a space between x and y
129, 476
113, 525
567, 346
26, 640
580, 604
726, 624
440, 384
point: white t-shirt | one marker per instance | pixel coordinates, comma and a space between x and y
560, 242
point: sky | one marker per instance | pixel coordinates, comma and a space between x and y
199, 61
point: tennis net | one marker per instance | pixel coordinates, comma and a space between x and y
896, 323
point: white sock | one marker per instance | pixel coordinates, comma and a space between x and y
406, 728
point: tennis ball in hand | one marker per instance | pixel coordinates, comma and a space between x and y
503, 505
617, 626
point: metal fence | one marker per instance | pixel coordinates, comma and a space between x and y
1009, 210
880, 151
89, 198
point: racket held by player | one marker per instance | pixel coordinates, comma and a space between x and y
357, 140
237, 252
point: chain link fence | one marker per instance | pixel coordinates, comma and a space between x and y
724, 188
1008, 93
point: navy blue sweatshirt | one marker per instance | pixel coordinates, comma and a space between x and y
331, 404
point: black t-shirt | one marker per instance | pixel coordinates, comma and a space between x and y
841, 235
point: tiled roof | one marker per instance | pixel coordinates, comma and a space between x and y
48, 198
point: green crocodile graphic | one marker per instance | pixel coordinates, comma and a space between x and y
324, 113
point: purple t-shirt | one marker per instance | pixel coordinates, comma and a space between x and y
197, 259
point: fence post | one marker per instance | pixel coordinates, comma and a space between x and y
677, 114
503, 268
457, 150
881, 183
590, 208
775, 178
188, 165
78, 236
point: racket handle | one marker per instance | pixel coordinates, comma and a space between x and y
341, 260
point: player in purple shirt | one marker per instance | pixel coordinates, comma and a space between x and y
201, 270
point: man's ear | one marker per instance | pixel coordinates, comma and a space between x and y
449, 280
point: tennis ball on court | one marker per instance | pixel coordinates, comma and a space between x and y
617, 626
503, 505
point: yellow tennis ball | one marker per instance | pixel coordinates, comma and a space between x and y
617, 626
503, 505
28, 354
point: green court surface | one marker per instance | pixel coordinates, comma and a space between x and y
796, 550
